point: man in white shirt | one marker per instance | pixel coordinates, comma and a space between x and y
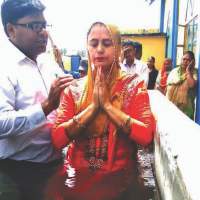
130, 64
29, 94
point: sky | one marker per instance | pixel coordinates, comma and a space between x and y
70, 19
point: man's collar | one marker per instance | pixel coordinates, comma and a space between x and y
132, 65
16, 54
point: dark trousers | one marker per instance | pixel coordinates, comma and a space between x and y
22, 180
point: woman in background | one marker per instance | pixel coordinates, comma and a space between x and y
181, 84
161, 81
101, 119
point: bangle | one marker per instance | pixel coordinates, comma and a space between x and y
126, 123
76, 121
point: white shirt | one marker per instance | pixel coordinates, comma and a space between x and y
24, 129
138, 67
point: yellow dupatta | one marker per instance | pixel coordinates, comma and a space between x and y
98, 125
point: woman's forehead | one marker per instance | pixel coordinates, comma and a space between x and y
99, 31
186, 56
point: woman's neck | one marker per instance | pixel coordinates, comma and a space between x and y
183, 68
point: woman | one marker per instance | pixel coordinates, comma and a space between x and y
101, 120
161, 81
181, 84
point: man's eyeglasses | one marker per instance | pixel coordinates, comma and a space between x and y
35, 26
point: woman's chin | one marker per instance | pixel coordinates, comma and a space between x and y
99, 63
102, 65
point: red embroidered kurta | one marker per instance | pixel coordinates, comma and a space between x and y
103, 168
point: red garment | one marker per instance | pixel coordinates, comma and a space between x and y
103, 168
163, 79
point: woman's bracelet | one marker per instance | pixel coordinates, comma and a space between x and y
126, 123
76, 121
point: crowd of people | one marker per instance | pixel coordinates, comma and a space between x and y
100, 118
179, 83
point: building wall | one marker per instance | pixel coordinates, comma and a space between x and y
168, 19
151, 46
187, 27
67, 63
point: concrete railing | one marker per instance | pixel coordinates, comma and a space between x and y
177, 151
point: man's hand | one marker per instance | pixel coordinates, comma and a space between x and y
53, 100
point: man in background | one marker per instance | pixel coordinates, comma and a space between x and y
130, 64
153, 72
138, 50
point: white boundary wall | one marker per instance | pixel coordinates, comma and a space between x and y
177, 151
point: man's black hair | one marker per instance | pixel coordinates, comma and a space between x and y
13, 10
137, 45
84, 64
128, 43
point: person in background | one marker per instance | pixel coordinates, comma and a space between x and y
101, 120
145, 155
181, 84
138, 50
83, 68
29, 93
131, 65
153, 73
161, 81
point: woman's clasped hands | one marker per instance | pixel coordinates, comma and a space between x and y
101, 93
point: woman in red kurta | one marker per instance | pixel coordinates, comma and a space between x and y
101, 118
161, 81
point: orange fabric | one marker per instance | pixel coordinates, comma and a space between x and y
59, 138
65, 112
163, 80
140, 104
138, 107
108, 176
120, 146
